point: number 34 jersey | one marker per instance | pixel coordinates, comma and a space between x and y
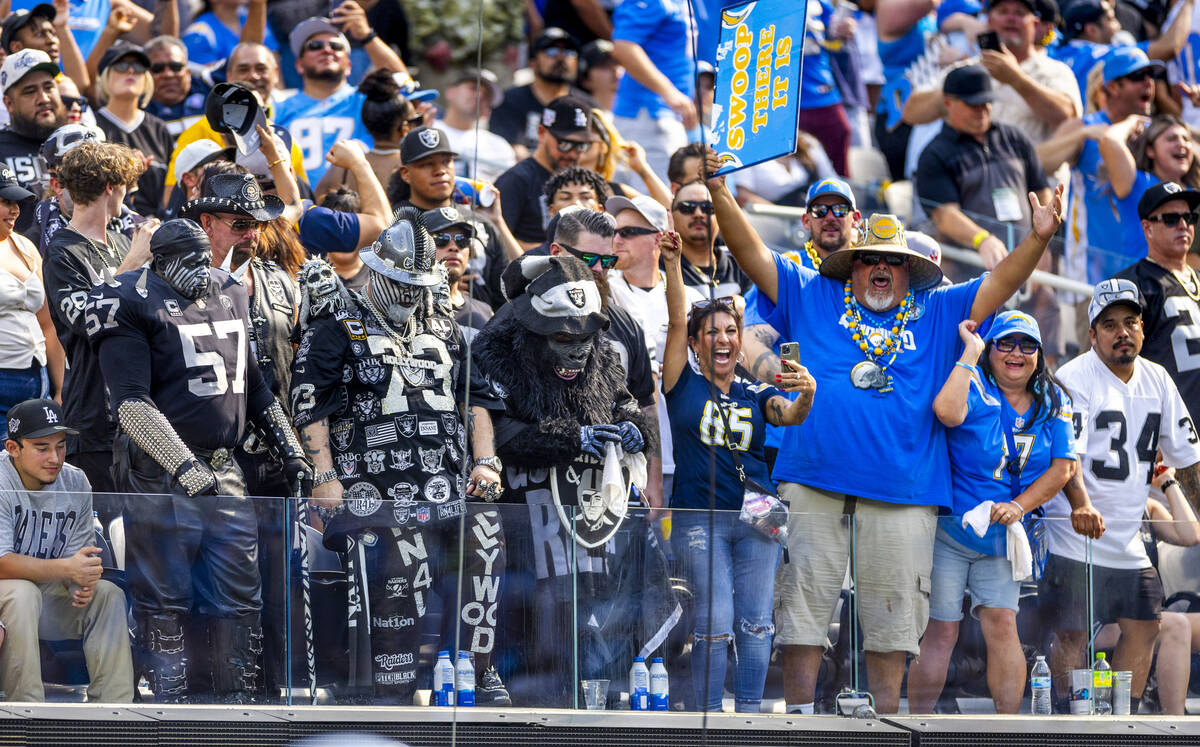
190, 358
1119, 427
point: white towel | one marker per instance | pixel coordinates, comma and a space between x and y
1017, 550
612, 487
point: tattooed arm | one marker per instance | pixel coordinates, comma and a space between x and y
1189, 480
758, 345
315, 438
479, 429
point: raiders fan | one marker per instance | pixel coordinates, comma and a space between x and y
181, 411
380, 392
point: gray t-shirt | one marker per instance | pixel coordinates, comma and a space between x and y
54, 522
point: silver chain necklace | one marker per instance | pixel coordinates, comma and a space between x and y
403, 339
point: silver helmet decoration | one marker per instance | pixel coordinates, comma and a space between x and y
404, 252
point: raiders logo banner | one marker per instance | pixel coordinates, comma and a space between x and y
578, 484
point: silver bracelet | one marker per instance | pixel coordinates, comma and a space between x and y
328, 475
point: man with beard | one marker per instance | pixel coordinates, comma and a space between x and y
554, 60
392, 414
878, 334
190, 529
564, 402
707, 268
454, 237
327, 108
35, 111
95, 176
178, 95
564, 135
1126, 410
41, 28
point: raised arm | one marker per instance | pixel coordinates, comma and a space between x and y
1016, 268
792, 378
752, 255
950, 404
896, 17
1171, 41
1114, 149
1176, 525
675, 356
638, 65
353, 20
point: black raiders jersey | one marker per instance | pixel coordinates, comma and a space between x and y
1172, 321
394, 426
191, 358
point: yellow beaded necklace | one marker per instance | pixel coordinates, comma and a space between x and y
812, 255
892, 337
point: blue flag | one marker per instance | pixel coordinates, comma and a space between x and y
757, 100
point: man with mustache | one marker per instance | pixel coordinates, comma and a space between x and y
554, 60
877, 332
707, 268
35, 111
1126, 409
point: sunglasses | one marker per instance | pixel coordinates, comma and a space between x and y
839, 210
73, 101
687, 207
630, 232
128, 66
416, 121
559, 51
1172, 219
607, 261
241, 225
316, 45
870, 259
722, 301
174, 66
1028, 345
1141, 76
442, 240
566, 146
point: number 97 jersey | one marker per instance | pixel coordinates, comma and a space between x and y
190, 358
1119, 428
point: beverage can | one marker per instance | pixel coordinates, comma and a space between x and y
474, 191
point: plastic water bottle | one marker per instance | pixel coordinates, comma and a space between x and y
639, 685
464, 680
1102, 686
660, 686
443, 680
1039, 682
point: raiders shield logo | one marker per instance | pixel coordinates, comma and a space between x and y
598, 517
341, 434
370, 371
577, 297
429, 138
366, 406
414, 375
275, 291
450, 423
407, 425
440, 326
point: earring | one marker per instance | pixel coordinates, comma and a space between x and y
741, 357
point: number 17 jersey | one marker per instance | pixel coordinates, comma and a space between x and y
1119, 427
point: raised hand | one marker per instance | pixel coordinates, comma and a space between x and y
670, 246
1047, 218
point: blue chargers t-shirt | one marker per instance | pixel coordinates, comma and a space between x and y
208, 40
1081, 56
661, 29
316, 125
87, 20
897, 56
887, 447
817, 85
697, 430
978, 452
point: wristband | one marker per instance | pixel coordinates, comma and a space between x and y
368, 38
978, 238
1168, 484
960, 364
323, 477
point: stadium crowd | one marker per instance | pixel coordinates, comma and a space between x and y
412, 261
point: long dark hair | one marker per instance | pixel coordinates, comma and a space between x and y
1145, 141
699, 314
1046, 389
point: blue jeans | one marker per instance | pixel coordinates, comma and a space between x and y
742, 587
18, 385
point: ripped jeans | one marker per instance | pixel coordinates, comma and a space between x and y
740, 591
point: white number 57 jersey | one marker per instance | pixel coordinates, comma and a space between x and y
1119, 429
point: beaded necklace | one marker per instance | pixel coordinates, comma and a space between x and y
812, 255
890, 345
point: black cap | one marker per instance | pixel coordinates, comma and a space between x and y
119, 50
553, 36
423, 142
1047, 11
179, 236
969, 83
35, 418
439, 219
20, 19
10, 188
1165, 192
566, 115
1079, 13
595, 52
1027, 3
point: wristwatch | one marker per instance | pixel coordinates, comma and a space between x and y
328, 475
491, 461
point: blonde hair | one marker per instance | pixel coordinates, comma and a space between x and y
611, 140
104, 88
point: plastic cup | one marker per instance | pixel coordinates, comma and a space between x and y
1122, 686
595, 694
1081, 691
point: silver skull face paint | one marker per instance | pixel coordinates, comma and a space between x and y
187, 273
396, 300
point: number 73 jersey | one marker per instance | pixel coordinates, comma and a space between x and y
191, 358
1119, 428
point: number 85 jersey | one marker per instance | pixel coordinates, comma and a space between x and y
1119, 427
191, 359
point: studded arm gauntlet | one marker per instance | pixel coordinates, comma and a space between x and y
151, 430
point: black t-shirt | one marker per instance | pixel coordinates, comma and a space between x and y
154, 140
70, 266
1172, 322
522, 200
194, 360
20, 154
726, 280
471, 317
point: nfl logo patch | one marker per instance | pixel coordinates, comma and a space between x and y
423, 514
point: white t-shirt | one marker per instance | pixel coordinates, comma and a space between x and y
1118, 429
495, 155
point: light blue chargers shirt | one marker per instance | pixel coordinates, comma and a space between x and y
662, 30
208, 40
1081, 56
1094, 225
978, 455
316, 125
887, 447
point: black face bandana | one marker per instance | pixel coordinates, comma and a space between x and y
187, 273
568, 358
396, 300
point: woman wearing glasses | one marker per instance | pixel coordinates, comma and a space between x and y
730, 565
999, 399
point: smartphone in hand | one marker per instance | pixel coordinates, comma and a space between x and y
990, 40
